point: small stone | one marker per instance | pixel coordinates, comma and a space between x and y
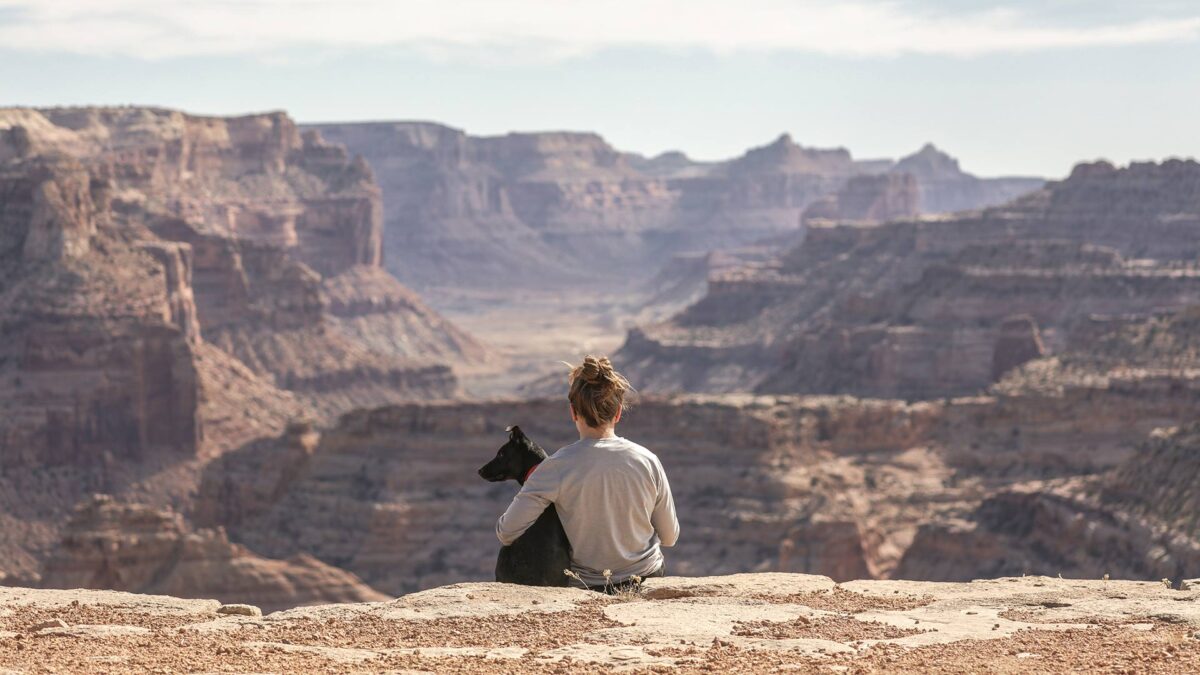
239, 610
1189, 585
52, 623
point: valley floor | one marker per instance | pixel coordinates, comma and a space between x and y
747, 622
529, 334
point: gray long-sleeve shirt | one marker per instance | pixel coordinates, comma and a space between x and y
614, 501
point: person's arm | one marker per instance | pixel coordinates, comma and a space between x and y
666, 524
537, 493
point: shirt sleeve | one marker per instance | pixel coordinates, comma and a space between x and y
666, 524
537, 493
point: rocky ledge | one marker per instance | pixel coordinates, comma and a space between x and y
747, 622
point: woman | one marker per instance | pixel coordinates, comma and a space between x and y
611, 494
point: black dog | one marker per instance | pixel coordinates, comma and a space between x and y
539, 556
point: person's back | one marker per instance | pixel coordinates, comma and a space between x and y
611, 494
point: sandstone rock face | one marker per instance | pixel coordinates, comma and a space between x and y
837, 486
526, 210
174, 286
945, 188
1136, 521
875, 198
122, 317
392, 493
926, 308
751, 623
261, 218
131, 547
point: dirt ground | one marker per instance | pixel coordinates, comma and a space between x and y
752, 623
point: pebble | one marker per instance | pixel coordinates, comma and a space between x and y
52, 623
239, 610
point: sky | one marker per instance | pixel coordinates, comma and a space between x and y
1024, 87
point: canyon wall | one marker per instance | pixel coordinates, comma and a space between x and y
936, 306
533, 209
131, 547
173, 286
833, 485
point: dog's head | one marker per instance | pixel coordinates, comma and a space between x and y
514, 459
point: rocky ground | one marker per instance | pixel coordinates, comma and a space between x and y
748, 622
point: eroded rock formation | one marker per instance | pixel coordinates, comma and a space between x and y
946, 188
132, 547
873, 199
1134, 520
529, 209
174, 286
937, 306
839, 486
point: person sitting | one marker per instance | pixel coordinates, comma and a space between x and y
612, 494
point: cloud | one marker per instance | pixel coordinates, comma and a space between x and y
553, 29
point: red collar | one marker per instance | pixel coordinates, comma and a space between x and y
530, 473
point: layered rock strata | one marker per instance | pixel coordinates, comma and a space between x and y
132, 547
872, 199
839, 486
174, 286
937, 306
528, 209
1137, 521
946, 188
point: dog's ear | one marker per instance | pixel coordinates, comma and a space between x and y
514, 432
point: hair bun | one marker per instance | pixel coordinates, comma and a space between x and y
596, 371
597, 392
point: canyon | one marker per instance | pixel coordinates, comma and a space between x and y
257, 361
929, 307
845, 487
529, 210
508, 234
174, 286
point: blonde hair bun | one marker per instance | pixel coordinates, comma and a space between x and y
596, 371
597, 391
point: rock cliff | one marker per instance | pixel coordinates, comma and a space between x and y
266, 220
946, 188
751, 623
525, 210
131, 547
174, 286
1136, 521
873, 199
936, 306
832, 485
